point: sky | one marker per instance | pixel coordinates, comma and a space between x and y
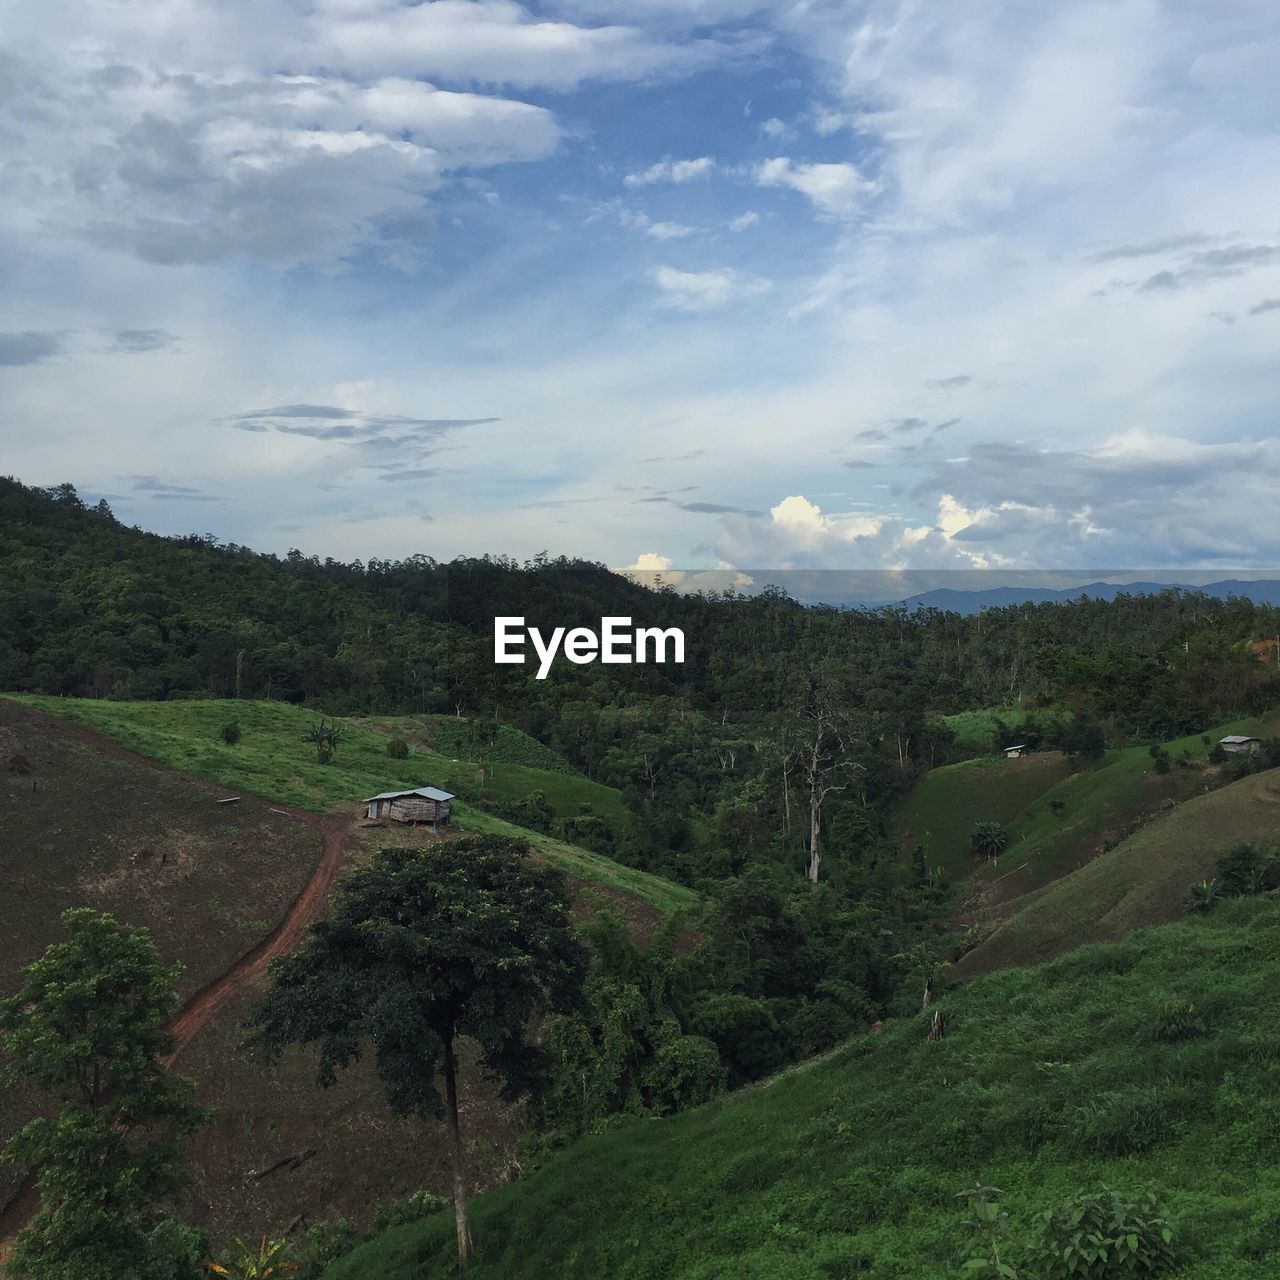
708, 284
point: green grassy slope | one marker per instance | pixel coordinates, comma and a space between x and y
944, 808
272, 761
975, 731
510, 772
1100, 804
459, 736
1049, 1082
1141, 882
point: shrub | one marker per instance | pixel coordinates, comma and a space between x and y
231, 733
1245, 871
533, 811
327, 1242
989, 839
1203, 897
398, 749
1057, 804
396, 1212
1178, 1020
1102, 1234
1122, 1122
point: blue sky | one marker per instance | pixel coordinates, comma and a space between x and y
721, 283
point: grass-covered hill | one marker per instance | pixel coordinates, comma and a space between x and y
1057, 819
1150, 1064
1141, 882
271, 760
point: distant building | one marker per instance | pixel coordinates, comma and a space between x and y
424, 804
1014, 752
1234, 743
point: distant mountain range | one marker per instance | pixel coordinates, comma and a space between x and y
1260, 591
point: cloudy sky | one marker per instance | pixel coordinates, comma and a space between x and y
748, 283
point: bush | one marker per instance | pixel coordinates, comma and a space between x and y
396, 1212
231, 733
1178, 1020
989, 839
1122, 1122
534, 813
1057, 804
1203, 897
398, 749
327, 1242
1100, 1235
1245, 871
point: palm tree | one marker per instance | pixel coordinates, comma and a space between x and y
269, 1261
989, 840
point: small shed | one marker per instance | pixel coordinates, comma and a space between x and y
1014, 752
423, 804
1234, 743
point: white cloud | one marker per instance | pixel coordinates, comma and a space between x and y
836, 188
744, 220
495, 42
634, 220
668, 170
707, 290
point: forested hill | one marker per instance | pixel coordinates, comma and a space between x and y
90, 607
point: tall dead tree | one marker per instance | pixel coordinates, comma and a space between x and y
824, 732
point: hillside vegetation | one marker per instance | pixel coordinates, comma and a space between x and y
1149, 1064
271, 760
1057, 818
1142, 881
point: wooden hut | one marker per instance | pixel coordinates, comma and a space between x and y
424, 804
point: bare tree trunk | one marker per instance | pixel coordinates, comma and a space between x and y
815, 825
786, 798
460, 1214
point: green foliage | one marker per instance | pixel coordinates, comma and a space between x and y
325, 736
629, 1049
411, 1208
326, 1242
398, 749
1101, 1235
990, 1239
421, 947
267, 1260
1178, 1020
87, 1028
535, 813
231, 732
1203, 896
989, 839
1245, 870
849, 1165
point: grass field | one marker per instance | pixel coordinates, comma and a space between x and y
459, 738
1049, 1082
975, 731
1142, 882
271, 760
